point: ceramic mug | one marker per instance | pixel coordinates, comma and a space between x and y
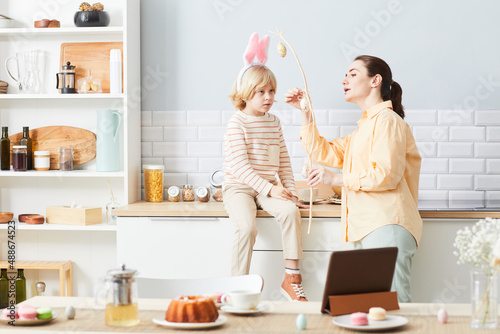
242, 299
305, 194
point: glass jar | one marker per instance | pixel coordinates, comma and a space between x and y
42, 160
153, 183
217, 194
174, 194
203, 194
65, 158
20, 158
188, 193
216, 179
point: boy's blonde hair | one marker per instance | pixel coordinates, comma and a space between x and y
255, 78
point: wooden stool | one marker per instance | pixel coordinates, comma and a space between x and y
64, 267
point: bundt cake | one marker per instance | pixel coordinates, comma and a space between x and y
192, 309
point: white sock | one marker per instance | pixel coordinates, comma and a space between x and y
292, 271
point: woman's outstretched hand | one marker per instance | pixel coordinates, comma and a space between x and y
319, 175
293, 96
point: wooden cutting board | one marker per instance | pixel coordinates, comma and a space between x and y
50, 138
90, 56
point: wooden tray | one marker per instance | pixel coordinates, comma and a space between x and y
90, 56
50, 138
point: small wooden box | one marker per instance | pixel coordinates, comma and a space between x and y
73, 216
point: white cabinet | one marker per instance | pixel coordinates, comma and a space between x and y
32, 191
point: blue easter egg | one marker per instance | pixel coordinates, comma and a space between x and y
301, 321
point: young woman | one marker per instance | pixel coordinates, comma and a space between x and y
380, 163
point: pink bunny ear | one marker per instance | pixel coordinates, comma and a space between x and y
256, 48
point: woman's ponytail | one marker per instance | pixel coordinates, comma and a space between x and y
396, 95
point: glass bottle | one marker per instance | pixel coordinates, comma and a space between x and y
5, 149
4, 289
20, 286
28, 142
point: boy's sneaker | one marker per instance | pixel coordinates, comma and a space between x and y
292, 289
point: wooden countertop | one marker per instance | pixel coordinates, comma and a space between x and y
216, 209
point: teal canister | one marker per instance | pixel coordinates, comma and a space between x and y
108, 140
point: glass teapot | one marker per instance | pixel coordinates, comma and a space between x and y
119, 291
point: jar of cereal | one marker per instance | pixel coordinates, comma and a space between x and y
153, 182
174, 194
188, 193
203, 194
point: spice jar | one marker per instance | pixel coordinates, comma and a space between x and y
174, 194
153, 182
65, 158
20, 158
42, 160
203, 194
188, 193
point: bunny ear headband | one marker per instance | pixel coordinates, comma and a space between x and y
255, 48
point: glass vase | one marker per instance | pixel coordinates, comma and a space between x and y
484, 299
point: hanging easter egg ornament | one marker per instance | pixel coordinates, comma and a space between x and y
303, 105
281, 48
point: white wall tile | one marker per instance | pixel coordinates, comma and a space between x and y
291, 133
493, 166
297, 150
467, 166
434, 166
169, 149
152, 161
169, 118
467, 133
487, 117
344, 117
493, 133
174, 179
487, 150
427, 149
152, 133
208, 165
204, 149
204, 117
321, 116
181, 165
493, 199
226, 116
427, 181
466, 199
432, 199
456, 117
199, 179
460, 182
430, 133
487, 182
146, 149
211, 133
286, 117
146, 118
297, 164
455, 150
329, 132
346, 130
421, 117
180, 133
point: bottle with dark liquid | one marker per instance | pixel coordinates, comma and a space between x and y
4, 289
5, 149
28, 142
20, 286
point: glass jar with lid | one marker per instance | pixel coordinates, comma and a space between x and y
188, 193
174, 194
203, 194
153, 182
216, 179
20, 158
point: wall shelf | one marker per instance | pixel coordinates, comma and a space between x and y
64, 174
59, 227
59, 96
60, 31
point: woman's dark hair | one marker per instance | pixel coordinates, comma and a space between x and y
390, 89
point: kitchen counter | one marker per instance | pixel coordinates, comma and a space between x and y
216, 209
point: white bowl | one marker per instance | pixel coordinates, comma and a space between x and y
305, 194
6, 23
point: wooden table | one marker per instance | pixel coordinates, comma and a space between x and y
279, 319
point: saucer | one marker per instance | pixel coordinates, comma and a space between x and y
221, 320
392, 321
231, 309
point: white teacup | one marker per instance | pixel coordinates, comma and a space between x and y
305, 194
242, 299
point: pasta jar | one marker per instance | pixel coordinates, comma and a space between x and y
174, 194
203, 194
188, 193
153, 182
42, 160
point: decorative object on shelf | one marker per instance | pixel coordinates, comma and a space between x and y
108, 140
28, 142
475, 246
66, 79
118, 291
3, 87
115, 71
5, 21
19, 158
94, 56
46, 23
6, 217
113, 204
22, 217
50, 138
35, 219
153, 183
89, 84
5, 149
91, 16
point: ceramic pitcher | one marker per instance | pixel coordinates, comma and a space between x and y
108, 140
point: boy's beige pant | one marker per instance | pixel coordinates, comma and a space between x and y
240, 203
